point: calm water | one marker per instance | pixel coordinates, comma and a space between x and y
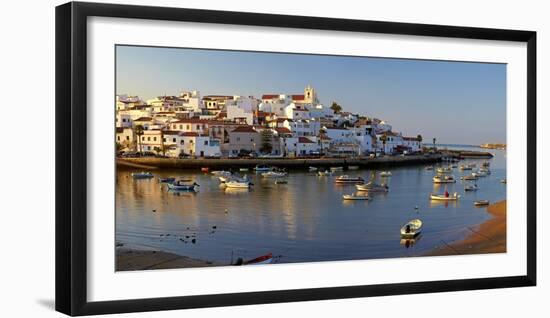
302, 221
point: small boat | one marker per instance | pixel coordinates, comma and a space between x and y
262, 168
411, 229
233, 178
443, 197
429, 168
333, 169
385, 174
312, 169
281, 181
142, 175
274, 174
502, 180
353, 167
182, 185
486, 164
232, 184
444, 179
469, 177
243, 169
167, 180
466, 167
355, 196
221, 173
471, 187
454, 166
444, 169
485, 170
372, 187
205, 169
481, 202
348, 179
324, 173
264, 259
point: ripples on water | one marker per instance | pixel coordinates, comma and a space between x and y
303, 221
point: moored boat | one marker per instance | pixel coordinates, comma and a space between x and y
142, 175
444, 179
444, 170
348, 179
470, 187
205, 169
313, 169
469, 177
243, 169
281, 181
232, 184
429, 168
355, 196
481, 202
353, 167
324, 173
274, 174
333, 169
442, 197
262, 168
385, 174
167, 180
411, 228
502, 180
221, 173
182, 185
372, 187
264, 259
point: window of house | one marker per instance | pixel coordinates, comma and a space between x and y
190, 141
173, 139
118, 138
154, 138
238, 138
206, 142
182, 142
148, 138
127, 137
187, 127
164, 139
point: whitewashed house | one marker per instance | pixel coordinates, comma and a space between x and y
301, 146
195, 125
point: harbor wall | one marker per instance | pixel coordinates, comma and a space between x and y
289, 163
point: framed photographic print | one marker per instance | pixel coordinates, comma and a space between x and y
209, 158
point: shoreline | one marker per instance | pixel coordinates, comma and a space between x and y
134, 259
484, 238
291, 163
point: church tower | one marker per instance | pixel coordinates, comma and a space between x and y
310, 96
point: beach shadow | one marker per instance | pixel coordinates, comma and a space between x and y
48, 303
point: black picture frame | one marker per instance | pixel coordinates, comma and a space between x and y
71, 157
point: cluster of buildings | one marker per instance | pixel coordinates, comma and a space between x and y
278, 125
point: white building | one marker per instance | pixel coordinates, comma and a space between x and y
195, 125
301, 146
241, 109
191, 144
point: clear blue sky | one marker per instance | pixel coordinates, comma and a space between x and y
456, 102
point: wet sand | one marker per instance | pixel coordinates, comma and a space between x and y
128, 259
488, 237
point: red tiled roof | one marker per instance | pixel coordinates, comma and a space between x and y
171, 132
211, 97
270, 96
300, 110
244, 129
298, 97
144, 119
283, 130
280, 119
304, 140
191, 121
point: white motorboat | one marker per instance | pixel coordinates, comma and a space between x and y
502, 180
372, 187
333, 169
348, 179
469, 177
429, 168
442, 197
385, 174
411, 229
142, 175
274, 174
444, 170
221, 173
238, 184
356, 196
444, 179
471, 187
313, 169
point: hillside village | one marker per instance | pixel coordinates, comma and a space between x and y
275, 125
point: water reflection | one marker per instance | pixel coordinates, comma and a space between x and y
303, 220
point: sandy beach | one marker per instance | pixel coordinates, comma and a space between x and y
129, 259
488, 237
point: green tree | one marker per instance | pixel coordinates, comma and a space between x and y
419, 139
138, 131
266, 136
336, 107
